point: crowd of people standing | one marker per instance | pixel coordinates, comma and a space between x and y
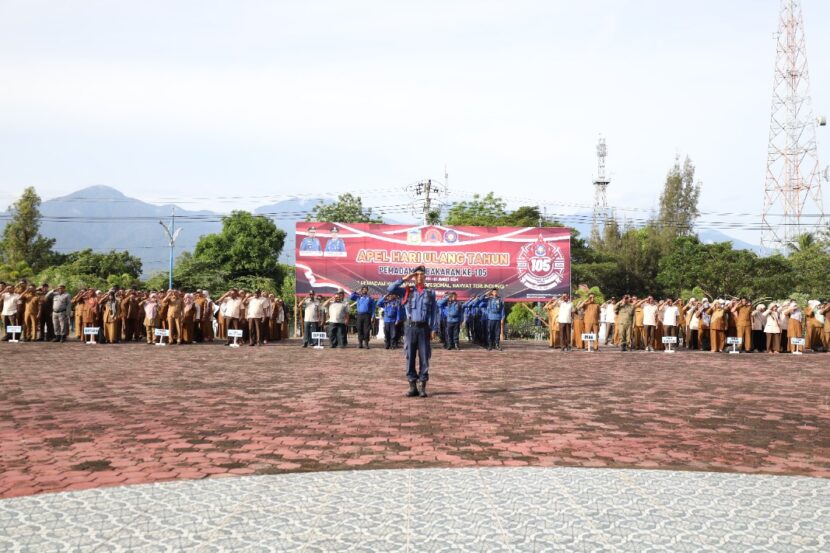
131, 315
641, 324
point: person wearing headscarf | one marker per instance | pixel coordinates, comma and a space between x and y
150, 307
795, 328
814, 326
772, 329
189, 319
758, 322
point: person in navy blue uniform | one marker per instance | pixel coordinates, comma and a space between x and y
365, 312
494, 314
452, 311
421, 312
391, 308
335, 243
310, 243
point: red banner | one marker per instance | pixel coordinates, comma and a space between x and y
525, 263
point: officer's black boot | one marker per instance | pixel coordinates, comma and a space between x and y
423, 392
413, 389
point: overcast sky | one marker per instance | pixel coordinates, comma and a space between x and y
193, 100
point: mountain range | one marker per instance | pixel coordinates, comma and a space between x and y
103, 218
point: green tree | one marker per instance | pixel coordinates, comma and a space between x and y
487, 211
347, 209
21, 236
678, 202
247, 248
811, 266
102, 265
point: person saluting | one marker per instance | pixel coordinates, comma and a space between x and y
421, 306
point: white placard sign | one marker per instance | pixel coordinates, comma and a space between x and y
162, 332
589, 337
14, 331
234, 333
92, 332
734, 341
319, 336
669, 340
798, 343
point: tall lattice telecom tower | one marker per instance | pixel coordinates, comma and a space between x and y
792, 194
600, 198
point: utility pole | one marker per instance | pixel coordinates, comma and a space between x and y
424, 192
172, 233
792, 192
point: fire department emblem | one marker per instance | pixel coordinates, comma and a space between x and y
541, 265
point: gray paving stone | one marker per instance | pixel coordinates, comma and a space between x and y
521, 509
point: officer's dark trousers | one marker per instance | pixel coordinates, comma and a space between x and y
337, 335
390, 331
417, 343
493, 331
308, 328
452, 334
364, 326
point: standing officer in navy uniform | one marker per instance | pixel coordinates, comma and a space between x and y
453, 310
494, 313
391, 306
421, 311
365, 312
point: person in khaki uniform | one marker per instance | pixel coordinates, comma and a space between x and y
150, 308
90, 314
638, 336
590, 318
189, 319
742, 314
205, 307
174, 305
112, 318
717, 325
814, 326
552, 308
79, 307
795, 328
32, 299
825, 334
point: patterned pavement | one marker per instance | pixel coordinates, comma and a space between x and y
495, 509
75, 417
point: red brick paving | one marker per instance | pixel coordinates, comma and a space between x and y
149, 414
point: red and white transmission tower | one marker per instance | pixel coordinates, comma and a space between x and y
792, 194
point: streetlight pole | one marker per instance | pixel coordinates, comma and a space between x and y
172, 233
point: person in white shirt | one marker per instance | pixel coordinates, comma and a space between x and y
11, 302
650, 321
772, 328
338, 311
231, 305
311, 317
255, 308
608, 316
565, 321
671, 313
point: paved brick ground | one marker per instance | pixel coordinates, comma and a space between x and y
75, 416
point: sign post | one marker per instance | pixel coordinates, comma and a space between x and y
161, 334
590, 338
319, 336
734, 341
91, 332
668, 341
799, 344
234, 333
14, 331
